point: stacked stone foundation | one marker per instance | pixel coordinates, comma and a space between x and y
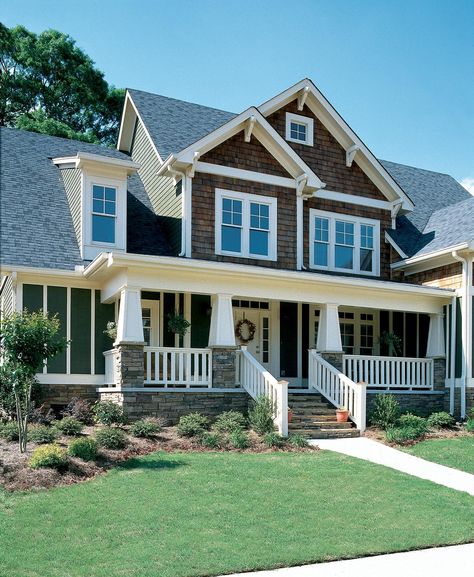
58, 396
422, 404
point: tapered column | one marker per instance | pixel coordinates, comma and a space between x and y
436, 346
329, 332
221, 333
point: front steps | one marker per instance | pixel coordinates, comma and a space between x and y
315, 418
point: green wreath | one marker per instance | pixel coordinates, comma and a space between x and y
251, 328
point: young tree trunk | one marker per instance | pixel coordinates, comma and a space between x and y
22, 417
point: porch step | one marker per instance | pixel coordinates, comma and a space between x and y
319, 424
326, 433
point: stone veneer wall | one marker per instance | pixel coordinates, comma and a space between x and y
52, 395
420, 403
224, 361
129, 365
457, 401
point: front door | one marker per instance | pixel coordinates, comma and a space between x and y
259, 345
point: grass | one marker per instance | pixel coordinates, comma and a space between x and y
184, 514
457, 452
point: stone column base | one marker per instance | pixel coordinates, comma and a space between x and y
439, 374
334, 359
224, 367
129, 365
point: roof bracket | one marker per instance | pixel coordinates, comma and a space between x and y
192, 169
249, 128
350, 154
301, 182
302, 96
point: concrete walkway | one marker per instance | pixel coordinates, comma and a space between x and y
370, 450
437, 562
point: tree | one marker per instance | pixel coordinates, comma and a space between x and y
28, 340
49, 85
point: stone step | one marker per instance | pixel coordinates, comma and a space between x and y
319, 425
326, 433
301, 398
331, 416
311, 409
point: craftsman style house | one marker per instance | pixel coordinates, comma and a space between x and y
309, 270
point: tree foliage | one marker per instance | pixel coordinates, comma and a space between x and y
49, 85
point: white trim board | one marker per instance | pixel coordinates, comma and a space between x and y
353, 199
221, 170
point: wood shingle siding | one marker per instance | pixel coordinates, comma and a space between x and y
7, 304
72, 184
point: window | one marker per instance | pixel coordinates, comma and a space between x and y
344, 243
299, 129
104, 212
246, 225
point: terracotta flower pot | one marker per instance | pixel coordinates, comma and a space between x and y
290, 415
342, 415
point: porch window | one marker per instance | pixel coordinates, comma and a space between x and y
344, 243
246, 225
104, 213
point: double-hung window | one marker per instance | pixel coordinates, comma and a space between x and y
246, 225
344, 243
104, 213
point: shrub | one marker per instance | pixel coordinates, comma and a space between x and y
470, 425
192, 425
42, 434
298, 440
273, 439
211, 440
261, 415
441, 420
410, 420
402, 435
386, 411
145, 428
41, 415
229, 421
108, 413
85, 449
111, 438
9, 431
51, 456
80, 409
69, 426
239, 439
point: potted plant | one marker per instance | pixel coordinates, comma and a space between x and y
177, 324
393, 343
290, 414
342, 415
111, 330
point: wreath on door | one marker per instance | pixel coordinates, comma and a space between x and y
245, 330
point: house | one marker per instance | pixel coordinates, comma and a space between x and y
311, 271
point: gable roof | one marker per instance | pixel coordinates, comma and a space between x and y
36, 227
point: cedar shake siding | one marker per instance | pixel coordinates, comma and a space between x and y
448, 277
326, 157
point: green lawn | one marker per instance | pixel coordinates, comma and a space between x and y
172, 515
457, 452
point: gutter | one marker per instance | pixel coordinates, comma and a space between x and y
445, 251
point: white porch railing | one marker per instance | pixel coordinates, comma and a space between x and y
109, 378
257, 381
171, 366
337, 388
390, 372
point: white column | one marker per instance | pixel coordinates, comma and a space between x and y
329, 332
299, 232
222, 333
130, 324
436, 347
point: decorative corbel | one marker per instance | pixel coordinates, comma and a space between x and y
301, 184
302, 96
350, 154
249, 128
394, 213
192, 169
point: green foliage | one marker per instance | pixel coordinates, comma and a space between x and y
470, 425
50, 456
413, 421
145, 428
261, 415
392, 342
49, 85
239, 439
69, 426
229, 421
85, 449
111, 438
192, 425
297, 440
42, 434
7, 396
80, 409
108, 413
273, 439
177, 324
9, 431
441, 420
41, 415
386, 411
211, 440
402, 435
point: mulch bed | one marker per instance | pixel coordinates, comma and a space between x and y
15, 475
379, 435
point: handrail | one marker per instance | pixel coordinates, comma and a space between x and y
337, 388
178, 366
257, 381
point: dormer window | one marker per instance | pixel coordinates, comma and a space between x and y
299, 129
104, 212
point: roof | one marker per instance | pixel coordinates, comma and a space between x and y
36, 227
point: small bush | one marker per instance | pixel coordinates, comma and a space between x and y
273, 439
261, 416
239, 439
69, 426
441, 420
410, 420
192, 425
470, 425
42, 434
9, 431
80, 409
111, 438
229, 421
211, 440
298, 440
108, 413
85, 449
402, 435
50, 456
386, 411
41, 415
145, 428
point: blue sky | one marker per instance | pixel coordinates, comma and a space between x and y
399, 71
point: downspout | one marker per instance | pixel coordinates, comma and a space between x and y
452, 354
299, 232
465, 294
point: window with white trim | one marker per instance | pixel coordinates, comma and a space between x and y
104, 213
344, 243
299, 129
246, 225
